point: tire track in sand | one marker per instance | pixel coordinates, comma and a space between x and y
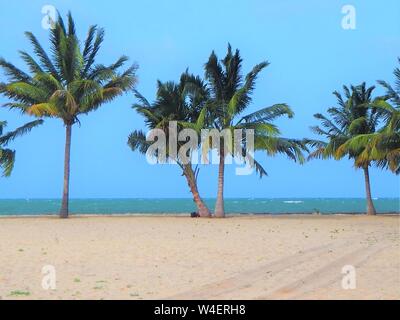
325, 276
246, 283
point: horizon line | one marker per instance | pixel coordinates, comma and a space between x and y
189, 198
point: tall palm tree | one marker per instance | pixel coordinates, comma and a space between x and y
65, 84
183, 103
7, 156
230, 96
354, 116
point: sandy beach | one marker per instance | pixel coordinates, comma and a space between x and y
268, 257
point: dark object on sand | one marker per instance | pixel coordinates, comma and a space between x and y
194, 215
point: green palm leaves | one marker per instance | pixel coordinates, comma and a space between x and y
383, 145
7, 156
67, 83
183, 102
354, 116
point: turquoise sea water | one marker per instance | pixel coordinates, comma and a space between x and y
169, 206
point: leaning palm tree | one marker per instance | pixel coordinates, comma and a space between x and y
7, 156
65, 84
354, 116
183, 103
230, 96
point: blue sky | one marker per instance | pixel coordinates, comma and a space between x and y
310, 54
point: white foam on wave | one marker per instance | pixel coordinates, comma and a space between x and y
293, 201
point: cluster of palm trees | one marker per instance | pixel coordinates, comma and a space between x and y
68, 83
218, 102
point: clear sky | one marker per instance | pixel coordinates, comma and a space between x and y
311, 55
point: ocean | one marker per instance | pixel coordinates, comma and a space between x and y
184, 206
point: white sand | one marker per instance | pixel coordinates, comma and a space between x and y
285, 257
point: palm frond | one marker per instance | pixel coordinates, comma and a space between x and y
13, 73
7, 160
269, 113
10, 136
47, 65
137, 141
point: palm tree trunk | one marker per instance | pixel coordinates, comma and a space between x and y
191, 179
370, 205
67, 156
219, 205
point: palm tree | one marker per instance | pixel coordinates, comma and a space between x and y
354, 116
183, 103
7, 156
230, 96
65, 84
